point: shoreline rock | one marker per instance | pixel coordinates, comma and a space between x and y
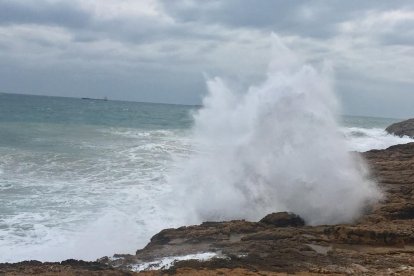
404, 128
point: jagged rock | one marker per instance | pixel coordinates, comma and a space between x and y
367, 235
283, 219
402, 128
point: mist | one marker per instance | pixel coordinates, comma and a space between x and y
275, 147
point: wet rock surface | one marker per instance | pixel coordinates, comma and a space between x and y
402, 128
379, 243
65, 268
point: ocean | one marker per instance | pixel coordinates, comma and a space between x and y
87, 178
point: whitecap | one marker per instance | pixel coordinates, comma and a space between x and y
364, 139
167, 262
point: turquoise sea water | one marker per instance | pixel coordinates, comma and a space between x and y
85, 178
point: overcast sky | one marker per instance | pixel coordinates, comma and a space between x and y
161, 50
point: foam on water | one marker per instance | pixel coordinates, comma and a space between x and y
167, 262
364, 139
57, 206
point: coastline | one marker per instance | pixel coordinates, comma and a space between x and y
381, 241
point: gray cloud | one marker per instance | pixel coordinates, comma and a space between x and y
43, 12
158, 50
315, 18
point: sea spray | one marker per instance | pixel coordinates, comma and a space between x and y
276, 147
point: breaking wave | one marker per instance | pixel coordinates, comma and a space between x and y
275, 147
364, 139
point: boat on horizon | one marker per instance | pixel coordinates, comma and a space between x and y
95, 99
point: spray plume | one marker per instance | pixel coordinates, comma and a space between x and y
276, 147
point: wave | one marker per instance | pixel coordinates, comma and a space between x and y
364, 139
99, 194
275, 147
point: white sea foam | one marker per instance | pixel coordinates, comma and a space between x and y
364, 139
100, 202
167, 262
276, 147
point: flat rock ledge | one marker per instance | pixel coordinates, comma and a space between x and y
380, 243
404, 128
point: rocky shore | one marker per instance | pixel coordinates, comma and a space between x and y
380, 243
404, 128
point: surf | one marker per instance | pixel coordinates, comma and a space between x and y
275, 147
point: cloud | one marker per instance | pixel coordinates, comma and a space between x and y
169, 45
302, 17
391, 27
43, 12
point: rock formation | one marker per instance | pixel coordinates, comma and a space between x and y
283, 219
402, 128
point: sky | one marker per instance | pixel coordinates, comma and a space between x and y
163, 50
